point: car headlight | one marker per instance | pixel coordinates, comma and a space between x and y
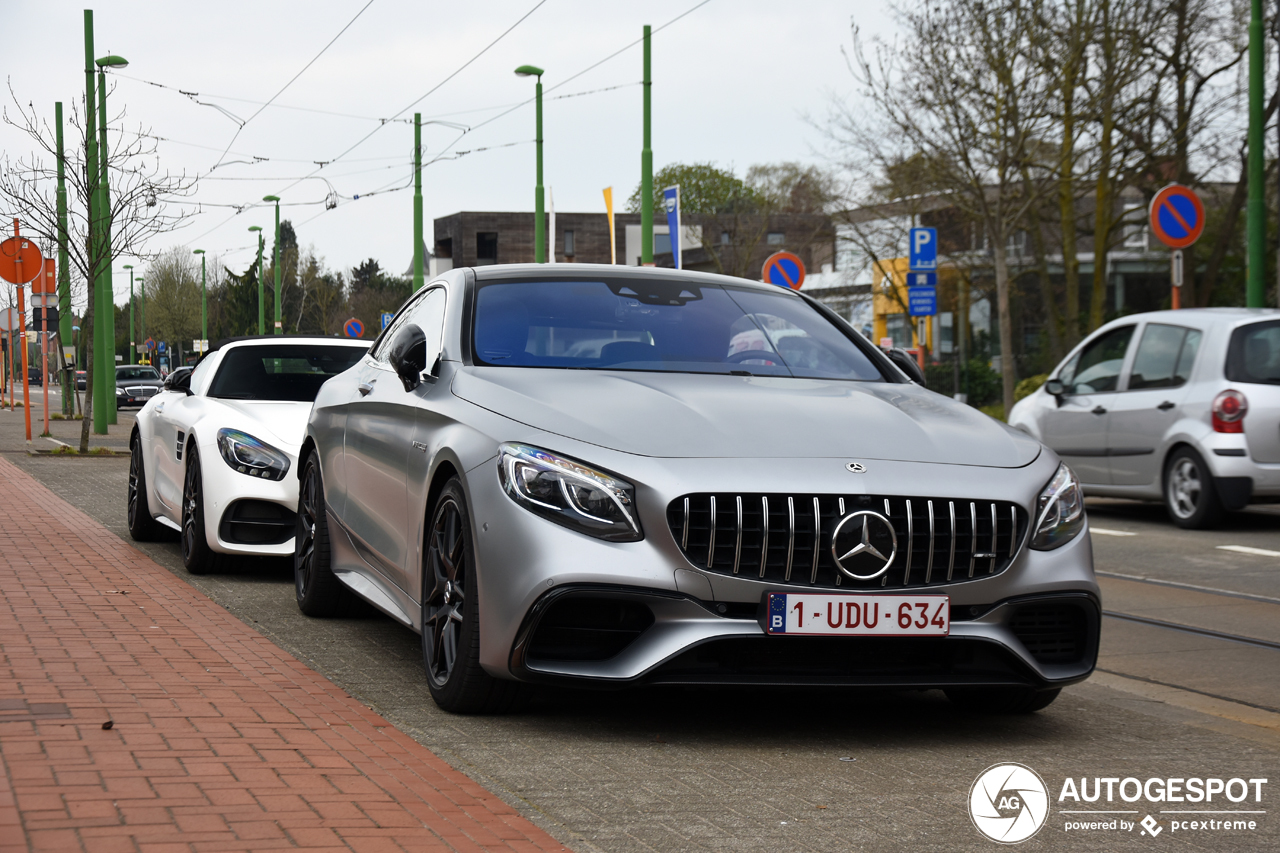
569, 493
251, 456
1059, 511
119, 391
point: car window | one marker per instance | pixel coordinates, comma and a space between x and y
1254, 353
1097, 368
660, 325
136, 373
428, 314
1159, 362
199, 374
382, 346
280, 371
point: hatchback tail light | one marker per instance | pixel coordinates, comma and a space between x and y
1229, 409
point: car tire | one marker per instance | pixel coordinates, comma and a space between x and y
1190, 497
1002, 700
142, 526
197, 556
316, 587
451, 627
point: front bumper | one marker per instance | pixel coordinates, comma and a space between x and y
246, 515
689, 625
630, 636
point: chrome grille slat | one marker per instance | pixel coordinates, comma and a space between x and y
704, 539
791, 534
737, 545
711, 548
817, 540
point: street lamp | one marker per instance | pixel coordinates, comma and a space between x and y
106, 290
275, 260
204, 304
261, 310
539, 226
133, 344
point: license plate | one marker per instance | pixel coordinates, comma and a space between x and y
852, 615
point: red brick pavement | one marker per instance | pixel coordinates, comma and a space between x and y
220, 740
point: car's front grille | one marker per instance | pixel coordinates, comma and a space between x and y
786, 539
141, 390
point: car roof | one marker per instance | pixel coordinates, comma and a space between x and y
1205, 316
579, 272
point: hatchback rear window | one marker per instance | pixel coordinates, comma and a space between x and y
1254, 354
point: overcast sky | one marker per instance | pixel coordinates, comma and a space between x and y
734, 81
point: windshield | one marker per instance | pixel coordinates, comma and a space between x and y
135, 373
280, 371
673, 326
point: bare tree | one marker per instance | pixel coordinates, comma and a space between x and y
139, 190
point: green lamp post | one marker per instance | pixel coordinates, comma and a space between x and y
262, 316
539, 224
204, 304
142, 315
133, 344
275, 261
106, 290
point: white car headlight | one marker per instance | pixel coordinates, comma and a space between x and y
569, 493
252, 456
1059, 511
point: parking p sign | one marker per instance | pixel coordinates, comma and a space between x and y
923, 254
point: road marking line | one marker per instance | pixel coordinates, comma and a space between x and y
55, 441
1105, 532
1245, 549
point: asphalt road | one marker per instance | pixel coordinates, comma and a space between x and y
769, 770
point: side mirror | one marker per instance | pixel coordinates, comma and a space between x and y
182, 383
408, 356
1056, 388
906, 364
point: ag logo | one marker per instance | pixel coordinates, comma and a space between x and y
1008, 803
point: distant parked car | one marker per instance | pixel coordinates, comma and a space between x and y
1179, 406
136, 384
80, 380
34, 376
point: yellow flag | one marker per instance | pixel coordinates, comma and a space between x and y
613, 239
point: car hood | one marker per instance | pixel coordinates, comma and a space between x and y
274, 421
702, 415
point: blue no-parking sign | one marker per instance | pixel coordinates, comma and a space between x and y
923, 252
353, 328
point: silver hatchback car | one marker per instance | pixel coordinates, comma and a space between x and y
609, 476
1179, 406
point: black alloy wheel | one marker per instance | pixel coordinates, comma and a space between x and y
451, 615
318, 590
142, 527
198, 558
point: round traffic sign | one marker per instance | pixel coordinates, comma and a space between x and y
1177, 216
353, 328
17, 249
10, 320
785, 270
150, 344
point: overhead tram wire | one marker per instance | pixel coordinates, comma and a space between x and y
291, 82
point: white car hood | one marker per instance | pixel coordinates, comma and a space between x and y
274, 421
676, 415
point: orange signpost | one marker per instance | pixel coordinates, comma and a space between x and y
20, 262
45, 287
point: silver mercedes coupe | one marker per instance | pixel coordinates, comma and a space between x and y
609, 476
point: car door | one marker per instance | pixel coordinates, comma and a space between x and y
1151, 402
172, 417
1077, 428
379, 439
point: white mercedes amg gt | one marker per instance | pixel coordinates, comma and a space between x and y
213, 454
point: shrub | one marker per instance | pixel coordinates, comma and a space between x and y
1028, 386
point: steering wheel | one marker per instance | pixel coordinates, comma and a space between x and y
752, 355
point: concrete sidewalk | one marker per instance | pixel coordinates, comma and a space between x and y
138, 715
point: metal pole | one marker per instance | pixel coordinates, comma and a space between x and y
646, 167
539, 217
65, 332
142, 314
1257, 210
22, 325
279, 327
133, 343
262, 317
91, 170
418, 279
204, 306
107, 288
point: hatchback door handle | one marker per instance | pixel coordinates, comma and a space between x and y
1166, 405
365, 388
1098, 410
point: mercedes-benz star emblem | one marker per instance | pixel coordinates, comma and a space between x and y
856, 467
864, 545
